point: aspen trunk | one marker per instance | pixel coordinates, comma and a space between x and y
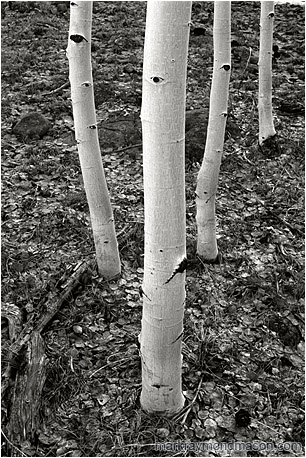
207, 181
266, 126
163, 125
86, 133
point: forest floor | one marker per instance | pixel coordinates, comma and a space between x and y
243, 355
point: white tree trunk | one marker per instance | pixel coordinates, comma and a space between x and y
163, 125
86, 133
266, 126
207, 182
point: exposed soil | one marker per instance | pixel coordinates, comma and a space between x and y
243, 355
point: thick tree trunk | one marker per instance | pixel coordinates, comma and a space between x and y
79, 55
163, 122
266, 126
207, 182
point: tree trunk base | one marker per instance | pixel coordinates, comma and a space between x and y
217, 260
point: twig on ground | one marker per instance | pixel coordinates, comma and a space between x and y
122, 149
186, 410
63, 86
12, 445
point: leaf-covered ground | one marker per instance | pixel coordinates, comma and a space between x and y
243, 342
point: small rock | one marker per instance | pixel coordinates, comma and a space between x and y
196, 129
62, 7
129, 68
77, 329
32, 125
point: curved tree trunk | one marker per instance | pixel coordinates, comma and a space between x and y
207, 182
163, 124
82, 95
266, 126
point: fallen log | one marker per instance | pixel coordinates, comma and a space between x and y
25, 374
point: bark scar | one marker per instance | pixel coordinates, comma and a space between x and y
179, 270
78, 38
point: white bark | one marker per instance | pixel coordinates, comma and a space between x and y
266, 126
86, 133
207, 182
163, 125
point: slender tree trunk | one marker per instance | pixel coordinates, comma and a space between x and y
266, 126
163, 125
86, 132
208, 176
